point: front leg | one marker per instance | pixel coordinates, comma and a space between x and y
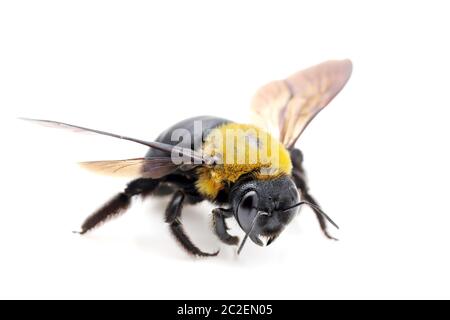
299, 176
221, 228
173, 214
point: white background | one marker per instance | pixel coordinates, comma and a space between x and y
377, 157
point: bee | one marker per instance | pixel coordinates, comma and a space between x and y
259, 181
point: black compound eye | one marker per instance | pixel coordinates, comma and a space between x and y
247, 210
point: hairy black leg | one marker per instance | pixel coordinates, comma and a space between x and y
119, 203
173, 214
163, 190
298, 173
220, 226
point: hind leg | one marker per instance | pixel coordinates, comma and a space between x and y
119, 203
299, 176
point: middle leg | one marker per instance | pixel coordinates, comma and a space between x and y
173, 214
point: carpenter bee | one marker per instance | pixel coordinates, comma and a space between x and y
253, 172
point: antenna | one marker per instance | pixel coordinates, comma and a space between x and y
314, 207
259, 214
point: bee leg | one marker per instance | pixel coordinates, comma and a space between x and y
221, 228
119, 203
299, 176
173, 214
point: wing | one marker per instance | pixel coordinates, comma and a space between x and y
286, 107
189, 156
154, 168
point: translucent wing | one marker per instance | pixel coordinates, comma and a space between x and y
189, 155
154, 168
286, 107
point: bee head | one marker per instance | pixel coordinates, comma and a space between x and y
263, 208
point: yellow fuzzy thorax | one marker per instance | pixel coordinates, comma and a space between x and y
242, 149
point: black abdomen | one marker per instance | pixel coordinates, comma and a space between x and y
193, 137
